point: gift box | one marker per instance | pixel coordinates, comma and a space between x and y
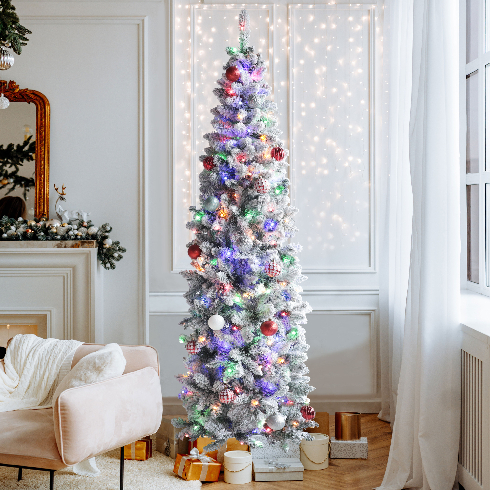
347, 426
280, 469
233, 445
314, 454
167, 441
139, 450
197, 466
238, 467
200, 443
268, 451
349, 449
323, 421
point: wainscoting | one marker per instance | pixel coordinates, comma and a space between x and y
342, 331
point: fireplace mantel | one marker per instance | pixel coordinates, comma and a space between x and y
59, 279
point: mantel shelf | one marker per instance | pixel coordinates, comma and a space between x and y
48, 244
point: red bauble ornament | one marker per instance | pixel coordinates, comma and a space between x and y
191, 347
307, 412
268, 328
227, 396
208, 163
273, 268
262, 185
277, 153
194, 251
241, 157
232, 73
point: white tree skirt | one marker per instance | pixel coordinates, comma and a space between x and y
154, 474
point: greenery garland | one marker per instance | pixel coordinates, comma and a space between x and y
12, 33
108, 252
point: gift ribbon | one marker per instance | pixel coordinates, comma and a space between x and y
276, 464
194, 454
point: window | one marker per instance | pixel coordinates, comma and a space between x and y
475, 110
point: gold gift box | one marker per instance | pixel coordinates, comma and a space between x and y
200, 443
233, 445
139, 450
190, 468
323, 421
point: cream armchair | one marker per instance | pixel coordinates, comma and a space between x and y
87, 420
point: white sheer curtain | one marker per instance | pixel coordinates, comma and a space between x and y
422, 36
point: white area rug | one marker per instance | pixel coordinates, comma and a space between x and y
154, 474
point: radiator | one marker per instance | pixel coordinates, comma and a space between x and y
474, 455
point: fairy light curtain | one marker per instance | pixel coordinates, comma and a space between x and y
320, 60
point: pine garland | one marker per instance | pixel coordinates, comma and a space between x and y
12, 158
12, 33
108, 252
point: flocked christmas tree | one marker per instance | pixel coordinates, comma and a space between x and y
246, 374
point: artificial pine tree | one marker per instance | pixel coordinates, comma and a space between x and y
12, 33
246, 374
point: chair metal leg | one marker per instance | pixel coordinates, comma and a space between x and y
51, 479
20, 474
121, 470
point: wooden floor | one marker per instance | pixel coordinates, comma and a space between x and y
351, 474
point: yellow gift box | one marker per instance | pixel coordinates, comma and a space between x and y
233, 445
139, 450
200, 443
197, 466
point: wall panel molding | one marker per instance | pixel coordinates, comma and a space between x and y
297, 92
141, 21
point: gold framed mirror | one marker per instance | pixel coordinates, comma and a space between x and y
22, 118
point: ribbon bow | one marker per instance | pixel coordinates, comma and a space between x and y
276, 464
201, 457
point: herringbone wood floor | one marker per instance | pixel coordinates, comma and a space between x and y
348, 474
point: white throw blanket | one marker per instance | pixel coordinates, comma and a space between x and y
33, 368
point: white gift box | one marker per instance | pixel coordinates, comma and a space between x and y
314, 454
238, 467
274, 451
281, 469
349, 449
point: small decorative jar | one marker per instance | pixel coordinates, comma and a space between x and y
238, 467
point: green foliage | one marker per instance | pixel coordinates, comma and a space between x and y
12, 158
12, 33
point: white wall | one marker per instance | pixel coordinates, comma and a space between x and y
106, 69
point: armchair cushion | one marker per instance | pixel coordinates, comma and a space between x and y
92, 419
100, 365
27, 439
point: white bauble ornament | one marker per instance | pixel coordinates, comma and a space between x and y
4, 235
53, 222
62, 230
4, 103
93, 230
82, 231
216, 322
276, 421
107, 242
6, 59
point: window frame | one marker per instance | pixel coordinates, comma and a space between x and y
482, 177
